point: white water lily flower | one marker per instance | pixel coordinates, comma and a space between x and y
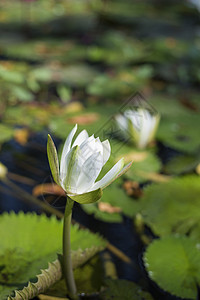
139, 124
81, 162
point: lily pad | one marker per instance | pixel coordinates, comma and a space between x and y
95, 119
172, 207
44, 11
14, 79
120, 84
32, 117
182, 164
88, 278
26, 246
144, 162
173, 263
113, 204
179, 126
78, 75
168, 106
116, 48
45, 50
180, 132
7, 133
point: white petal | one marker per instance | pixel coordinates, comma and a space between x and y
87, 148
154, 126
136, 118
83, 135
109, 176
106, 151
146, 128
73, 170
89, 173
98, 146
90, 139
66, 148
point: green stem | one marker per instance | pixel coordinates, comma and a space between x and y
67, 260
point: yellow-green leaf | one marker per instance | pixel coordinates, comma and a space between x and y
53, 159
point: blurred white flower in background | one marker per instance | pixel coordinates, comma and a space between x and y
138, 125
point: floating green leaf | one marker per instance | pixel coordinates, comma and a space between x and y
46, 50
180, 132
46, 278
167, 106
182, 164
179, 126
78, 75
144, 162
121, 84
22, 93
26, 247
173, 206
64, 93
32, 116
118, 201
88, 278
14, 86
50, 278
123, 289
7, 133
174, 263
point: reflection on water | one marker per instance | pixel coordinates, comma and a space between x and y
27, 161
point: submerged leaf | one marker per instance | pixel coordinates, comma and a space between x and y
174, 263
123, 289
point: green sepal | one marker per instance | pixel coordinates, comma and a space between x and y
71, 161
53, 159
87, 198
